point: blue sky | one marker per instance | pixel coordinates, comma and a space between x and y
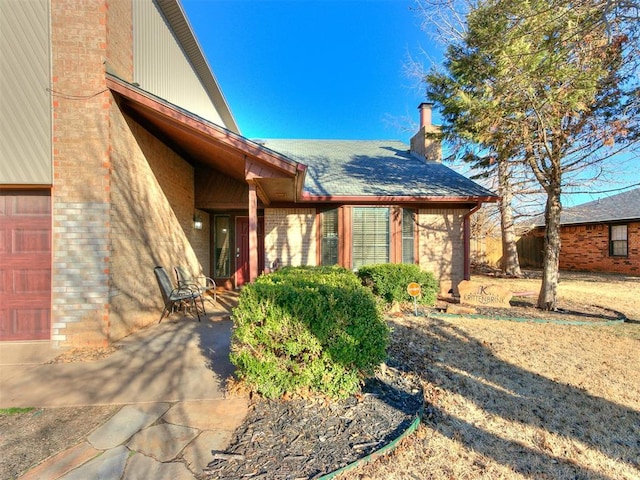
314, 69
327, 69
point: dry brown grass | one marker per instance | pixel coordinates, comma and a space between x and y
524, 400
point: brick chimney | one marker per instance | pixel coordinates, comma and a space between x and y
421, 144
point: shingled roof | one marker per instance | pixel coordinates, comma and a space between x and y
620, 207
357, 168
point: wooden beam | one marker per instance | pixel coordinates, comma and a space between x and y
253, 232
262, 195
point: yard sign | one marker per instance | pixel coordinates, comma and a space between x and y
413, 289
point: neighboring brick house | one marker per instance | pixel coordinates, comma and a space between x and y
118, 152
600, 236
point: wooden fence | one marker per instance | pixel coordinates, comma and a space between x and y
488, 251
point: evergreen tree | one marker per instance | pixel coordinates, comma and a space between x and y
549, 84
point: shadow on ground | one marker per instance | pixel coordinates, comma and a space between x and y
451, 361
179, 359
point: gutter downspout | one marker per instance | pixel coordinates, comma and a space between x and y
467, 240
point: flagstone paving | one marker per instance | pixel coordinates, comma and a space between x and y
124, 424
162, 442
107, 466
168, 378
142, 441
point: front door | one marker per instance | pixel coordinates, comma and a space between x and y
25, 265
242, 249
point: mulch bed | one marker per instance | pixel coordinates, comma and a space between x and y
309, 438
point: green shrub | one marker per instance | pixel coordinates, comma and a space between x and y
307, 329
389, 281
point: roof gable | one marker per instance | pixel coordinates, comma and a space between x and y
623, 206
201, 142
366, 168
170, 63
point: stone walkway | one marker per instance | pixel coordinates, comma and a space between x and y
169, 379
150, 441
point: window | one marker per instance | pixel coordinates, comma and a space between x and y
329, 246
618, 240
408, 238
370, 236
222, 246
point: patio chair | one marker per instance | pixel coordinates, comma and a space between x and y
201, 283
176, 296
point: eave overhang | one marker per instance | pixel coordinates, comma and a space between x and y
396, 199
605, 221
203, 143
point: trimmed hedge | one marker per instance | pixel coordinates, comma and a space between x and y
389, 281
307, 329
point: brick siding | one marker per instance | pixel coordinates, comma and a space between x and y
290, 236
81, 144
123, 202
586, 247
441, 245
120, 36
80, 286
152, 223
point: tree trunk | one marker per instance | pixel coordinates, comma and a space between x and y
510, 262
547, 299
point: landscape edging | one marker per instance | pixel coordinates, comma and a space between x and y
382, 451
527, 320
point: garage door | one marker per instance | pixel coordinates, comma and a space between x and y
25, 265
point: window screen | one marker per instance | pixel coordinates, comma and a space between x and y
370, 236
329, 245
618, 240
408, 226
